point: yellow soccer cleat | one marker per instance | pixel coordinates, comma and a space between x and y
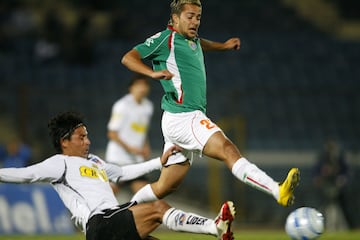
286, 188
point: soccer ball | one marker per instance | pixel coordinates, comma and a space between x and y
304, 223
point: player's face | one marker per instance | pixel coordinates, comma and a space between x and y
188, 22
140, 89
79, 143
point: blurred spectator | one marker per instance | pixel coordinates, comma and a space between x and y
5, 15
120, 26
16, 154
48, 46
331, 177
17, 23
80, 46
22, 22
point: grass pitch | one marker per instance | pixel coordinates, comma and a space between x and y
258, 235
240, 234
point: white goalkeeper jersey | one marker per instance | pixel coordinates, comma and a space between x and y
82, 184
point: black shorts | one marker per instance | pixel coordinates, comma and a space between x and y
114, 224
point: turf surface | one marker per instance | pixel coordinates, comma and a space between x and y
241, 235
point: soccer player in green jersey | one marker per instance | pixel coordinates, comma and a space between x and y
177, 57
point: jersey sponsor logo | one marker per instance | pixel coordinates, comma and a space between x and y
195, 220
140, 128
93, 172
150, 40
192, 45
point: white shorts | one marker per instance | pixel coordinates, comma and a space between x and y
190, 131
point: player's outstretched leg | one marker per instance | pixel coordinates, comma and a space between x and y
224, 219
286, 188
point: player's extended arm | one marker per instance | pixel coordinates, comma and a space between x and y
16, 175
47, 171
230, 44
132, 171
132, 60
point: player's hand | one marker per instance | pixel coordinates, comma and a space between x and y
134, 150
146, 151
232, 44
162, 75
171, 151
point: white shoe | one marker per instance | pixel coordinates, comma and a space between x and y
224, 219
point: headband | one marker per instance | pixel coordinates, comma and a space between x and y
67, 134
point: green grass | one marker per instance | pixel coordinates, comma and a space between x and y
258, 235
241, 235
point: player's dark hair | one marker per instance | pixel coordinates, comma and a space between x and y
62, 127
176, 6
138, 77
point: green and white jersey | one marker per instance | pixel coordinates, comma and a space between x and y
186, 91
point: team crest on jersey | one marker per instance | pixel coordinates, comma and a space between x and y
93, 172
192, 44
95, 160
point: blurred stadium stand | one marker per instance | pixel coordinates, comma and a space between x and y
293, 83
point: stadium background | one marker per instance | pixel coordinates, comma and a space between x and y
294, 83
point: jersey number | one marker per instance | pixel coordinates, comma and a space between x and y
208, 124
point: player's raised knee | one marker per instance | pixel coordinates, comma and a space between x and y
161, 206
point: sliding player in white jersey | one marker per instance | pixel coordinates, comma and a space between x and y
82, 182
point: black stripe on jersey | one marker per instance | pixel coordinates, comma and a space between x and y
108, 213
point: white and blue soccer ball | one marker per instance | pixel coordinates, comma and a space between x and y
304, 223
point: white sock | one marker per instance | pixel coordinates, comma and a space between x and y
250, 174
180, 221
145, 194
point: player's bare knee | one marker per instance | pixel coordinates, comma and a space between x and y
161, 189
163, 192
231, 151
160, 206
